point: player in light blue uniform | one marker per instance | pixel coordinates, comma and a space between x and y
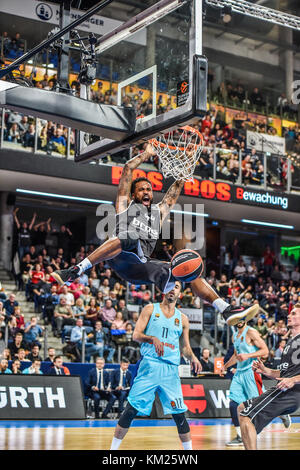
246, 384
159, 329
248, 345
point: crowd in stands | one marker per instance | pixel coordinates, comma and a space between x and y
12, 47
266, 282
227, 138
95, 306
45, 136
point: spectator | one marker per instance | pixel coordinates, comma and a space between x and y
279, 350
261, 327
35, 353
19, 318
76, 288
269, 258
80, 312
102, 340
21, 355
134, 319
32, 332
4, 367
16, 345
35, 368
121, 382
98, 388
240, 270
6, 354
256, 98
118, 324
92, 311
207, 366
57, 367
15, 367
131, 348
65, 293
77, 333
108, 314
64, 237
2, 342
9, 306
50, 301
12, 328
105, 288
51, 355
235, 252
63, 315
295, 275
29, 136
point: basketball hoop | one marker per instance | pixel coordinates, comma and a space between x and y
179, 152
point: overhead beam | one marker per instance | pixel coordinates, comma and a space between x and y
255, 37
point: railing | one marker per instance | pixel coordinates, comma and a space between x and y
262, 170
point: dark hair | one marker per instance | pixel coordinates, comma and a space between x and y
56, 357
124, 359
138, 180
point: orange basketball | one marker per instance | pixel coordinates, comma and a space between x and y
186, 265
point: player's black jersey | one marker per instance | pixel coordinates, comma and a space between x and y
139, 222
290, 359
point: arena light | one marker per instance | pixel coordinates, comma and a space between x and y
62, 196
267, 224
197, 214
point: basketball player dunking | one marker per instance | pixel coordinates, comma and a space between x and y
138, 225
159, 329
246, 383
281, 399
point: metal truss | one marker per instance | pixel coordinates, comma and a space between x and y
258, 11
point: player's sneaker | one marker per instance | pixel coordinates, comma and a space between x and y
237, 441
66, 276
286, 420
234, 315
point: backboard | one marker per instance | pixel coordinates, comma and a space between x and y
153, 63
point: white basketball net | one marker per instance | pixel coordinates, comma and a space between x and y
179, 152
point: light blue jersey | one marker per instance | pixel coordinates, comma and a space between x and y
245, 383
168, 331
159, 374
242, 347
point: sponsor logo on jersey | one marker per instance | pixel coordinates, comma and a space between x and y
144, 228
177, 322
157, 315
173, 404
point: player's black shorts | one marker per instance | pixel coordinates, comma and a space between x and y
130, 267
271, 404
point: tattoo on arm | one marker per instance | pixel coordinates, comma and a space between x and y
171, 197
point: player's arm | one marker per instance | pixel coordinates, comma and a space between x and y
186, 347
170, 199
123, 194
141, 324
233, 360
259, 343
258, 366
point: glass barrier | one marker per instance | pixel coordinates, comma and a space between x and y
277, 172
35, 135
217, 162
295, 177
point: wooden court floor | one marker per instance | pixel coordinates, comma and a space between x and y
144, 435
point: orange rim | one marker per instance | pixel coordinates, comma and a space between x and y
156, 143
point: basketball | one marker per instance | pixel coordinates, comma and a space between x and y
186, 265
